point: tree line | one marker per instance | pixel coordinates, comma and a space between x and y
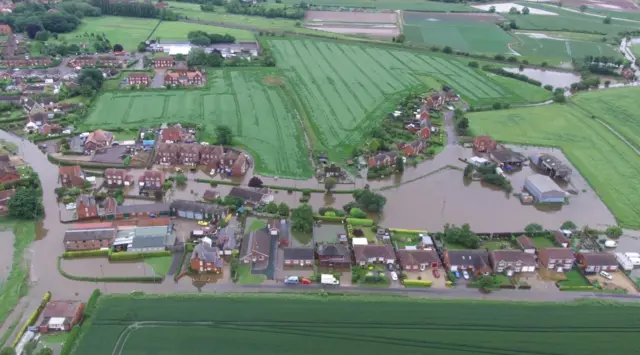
33, 18
236, 7
202, 38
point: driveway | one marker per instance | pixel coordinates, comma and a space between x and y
619, 281
158, 79
440, 282
540, 284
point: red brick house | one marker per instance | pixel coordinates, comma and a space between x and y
151, 179
184, 78
83, 61
89, 236
18, 61
211, 156
97, 140
107, 61
425, 133
171, 134
593, 263
189, 154
418, 259
383, 159
117, 178
163, 62
168, 154
139, 78
414, 148
370, 253
240, 165
512, 260
8, 173
434, 101
334, 255
557, 259
205, 257
61, 316
71, 176
475, 262
86, 207
484, 144
302, 257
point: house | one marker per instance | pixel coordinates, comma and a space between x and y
561, 239
211, 156
506, 157
205, 257
171, 135
163, 62
107, 61
334, 255
5, 196
415, 259
475, 261
189, 154
302, 256
425, 132
256, 248
197, 210
60, 316
210, 195
414, 148
512, 261
142, 210
71, 176
551, 165
526, 244
240, 165
251, 197
109, 207
593, 263
97, 140
89, 238
83, 61
383, 159
365, 253
86, 207
544, 190
139, 78
184, 78
8, 172
557, 259
117, 178
434, 101
168, 154
484, 144
151, 180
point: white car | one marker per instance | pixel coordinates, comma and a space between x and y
394, 276
606, 275
610, 244
71, 206
465, 274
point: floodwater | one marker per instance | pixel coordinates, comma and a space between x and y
6, 254
548, 77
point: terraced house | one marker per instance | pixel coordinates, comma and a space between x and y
139, 78
184, 78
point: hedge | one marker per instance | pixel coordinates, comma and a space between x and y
289, 188
329, 218
84, 164
84, 254
575, 288
399, 230
218, 182
420, 283
154, 279
91, 304
189, 246
360, 222
33, 318
137, 256
46, 138
70, 343
507, 74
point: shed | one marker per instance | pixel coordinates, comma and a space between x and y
551, 165
526, 244
544, 190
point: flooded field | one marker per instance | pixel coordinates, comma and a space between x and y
101, 267
6, 254
548, 77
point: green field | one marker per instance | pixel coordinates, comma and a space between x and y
261, 116
420, 5
127, 31
634, 16
562, 50
457, 31
178, 31
346, 89
610, 166
347, 325
635, 49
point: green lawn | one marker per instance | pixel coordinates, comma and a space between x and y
178, 31
542, 242
635, 49
495, 244
245, 277
610, 166
574, 278
501, 279
256, 224
126, 135
562, 50
303, 238
160, 265
127, 31
55, 338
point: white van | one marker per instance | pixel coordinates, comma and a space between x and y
606, 275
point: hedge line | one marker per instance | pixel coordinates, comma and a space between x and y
421, 283
399, 230
575, 288
153, 279
53, 136
137, 256
84, 254
83, 164
360, 222
71, 341
218, 182
33, 318
502, 72
74, 335
329, 218
289, 188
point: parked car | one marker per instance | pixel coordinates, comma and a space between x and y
465, 274
292, 280
606, 275
305, 281
70, 206
203, 223
610, 244
394, 276
436, 274
456, 274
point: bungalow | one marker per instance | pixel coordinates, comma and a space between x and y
365, 253
593, 263
168, 154
251, 197
89, 238
196, 210
558, 259
256, 249
512, 261
139, 78
334, 255
414, 148
383, 159
484, 144
163, 62
152, 180
414, 259
561, 239
97, 140
302, 256
205, 257
86, 207
71, 176
526, 244
475, 261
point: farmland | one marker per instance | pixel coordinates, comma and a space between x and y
127, 31
346, 89
390, 4
260, 115
562, 50
610, 166
289, 324
173, 30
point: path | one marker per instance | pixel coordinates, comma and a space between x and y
619, 136
625, 48
449, 127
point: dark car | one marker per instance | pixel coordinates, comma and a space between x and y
436, 274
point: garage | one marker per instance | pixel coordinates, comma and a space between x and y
197, 210
198, 216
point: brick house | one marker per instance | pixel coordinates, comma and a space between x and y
152, 180
335, 255
302, 256
71, 176
414, 148
434, 101
83, 61
116, 178
184, 78
168, 154
163, 62
97, 140
418, 259
107, 61
474, 261
369, 253
205, 257
189, 154
139, 78
8, 172
484, 144
171, 134
425, 132
557, 259
211, 156
512, 260
18, 61
593, 263
240, 165
86, 207
61, 316
383, 159
89, 238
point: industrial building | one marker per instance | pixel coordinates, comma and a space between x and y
544, 190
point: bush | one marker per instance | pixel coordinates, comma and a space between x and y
137, 256
218, 182
70, 343
329, 219
33, 318
360, 222
474, 64
419, 283
330, 214
339, 213
357, 213
85, 254
189, 247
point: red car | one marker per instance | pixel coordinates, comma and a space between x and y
436, 274
305, 281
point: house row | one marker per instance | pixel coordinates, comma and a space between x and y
139, 79
183, 78
25, 61
86, 61
213, 157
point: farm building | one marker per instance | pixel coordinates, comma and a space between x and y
145, 239
196, 210
544, 190
551, 165
506, 157
143, 210
89, 239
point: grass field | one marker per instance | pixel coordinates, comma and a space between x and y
610, 166
260, 115
160, 265
346, 89
176, 31
341, 325
635, 49
127, 31
420, 5
563, 50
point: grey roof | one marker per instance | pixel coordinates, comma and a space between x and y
87, 200
552, 161
184, 205
207, 253
226, 238
89, 234
543, 183
333, 250
506, 155
148, 241
298, 253
149, 207
477, 258
246, 194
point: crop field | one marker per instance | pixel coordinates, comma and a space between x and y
610, 166
563, 50
389, 4
347, 89
127, 31
250, 101
174, 30
289, 324
476, 33
635, 49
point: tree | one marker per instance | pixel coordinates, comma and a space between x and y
486, 282
613, 232
357, 213
214, 59
492, 9
533, 228
461, 236
42, 36
272, 208
180, 57
7, 351
93, 78
399, 164
302, 219
181, 180
118, 48
283, 209
347, 207
32, 30
224, 134
200, 41
196, 57
468, 171
514, 11
569, 225
607, 20
525, 10
583, 8
25, 204
330, 183
369, 201
255, 182
142, 47
447, 50
473, 64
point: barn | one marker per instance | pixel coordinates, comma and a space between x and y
544, 190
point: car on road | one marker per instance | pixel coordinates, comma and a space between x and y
203, 223
606, 275
465, 274
305, 281
394, 276
70, 206
292, 280
436, 274
457, 274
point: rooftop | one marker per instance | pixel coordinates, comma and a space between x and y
543, 183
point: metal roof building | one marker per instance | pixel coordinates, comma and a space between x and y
544, 190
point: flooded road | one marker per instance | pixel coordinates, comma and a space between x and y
548, 77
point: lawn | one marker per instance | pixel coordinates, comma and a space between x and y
178, 31
574, 278
160, 265
495, 244
260, 115
127, 31
55, 338
542, 242
344, 325
245, 277
126, 135
610, 166
635, 49
256, 224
